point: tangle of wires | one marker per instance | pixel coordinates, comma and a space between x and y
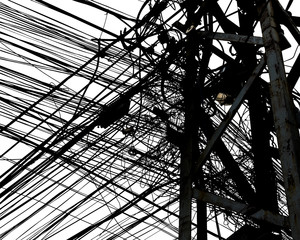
92, 116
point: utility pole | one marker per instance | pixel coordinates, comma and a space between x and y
190, 147
283, 113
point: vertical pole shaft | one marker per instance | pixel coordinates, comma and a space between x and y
284, 115
190, 146
186, 164
201, 211
185, 197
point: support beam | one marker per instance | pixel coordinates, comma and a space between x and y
232, 37
287, 20
265, 176
294, 73
235, 173
242, 208
283, 113
230, 114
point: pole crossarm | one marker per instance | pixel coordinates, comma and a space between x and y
232, 37
242, 208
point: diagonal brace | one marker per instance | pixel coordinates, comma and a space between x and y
230, 114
